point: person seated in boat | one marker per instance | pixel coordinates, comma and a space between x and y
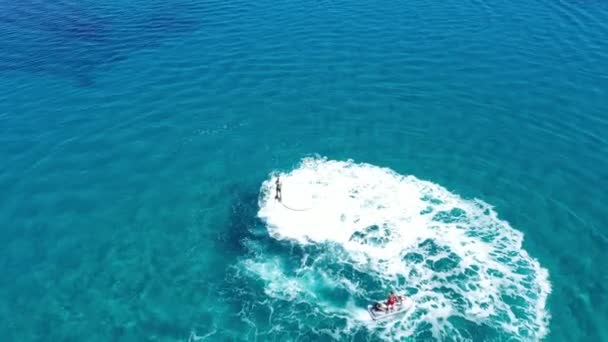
378, 307
392, 301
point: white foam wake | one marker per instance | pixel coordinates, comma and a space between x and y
456, 258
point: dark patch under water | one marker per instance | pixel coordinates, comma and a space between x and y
242, 219
73, 40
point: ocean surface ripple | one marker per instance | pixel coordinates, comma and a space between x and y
454, 151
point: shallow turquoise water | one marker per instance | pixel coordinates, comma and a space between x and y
136, 137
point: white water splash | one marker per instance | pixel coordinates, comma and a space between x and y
463, 261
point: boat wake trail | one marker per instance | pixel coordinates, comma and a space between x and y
367, 230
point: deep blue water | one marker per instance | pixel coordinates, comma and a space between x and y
135, 138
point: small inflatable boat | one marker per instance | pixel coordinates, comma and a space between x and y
379, 310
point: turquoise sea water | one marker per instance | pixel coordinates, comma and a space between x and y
139, 141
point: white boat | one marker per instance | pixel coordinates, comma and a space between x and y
381, 313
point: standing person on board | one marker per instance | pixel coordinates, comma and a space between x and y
278, 196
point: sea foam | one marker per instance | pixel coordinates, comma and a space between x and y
454, 257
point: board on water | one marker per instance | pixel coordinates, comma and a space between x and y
400, 307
